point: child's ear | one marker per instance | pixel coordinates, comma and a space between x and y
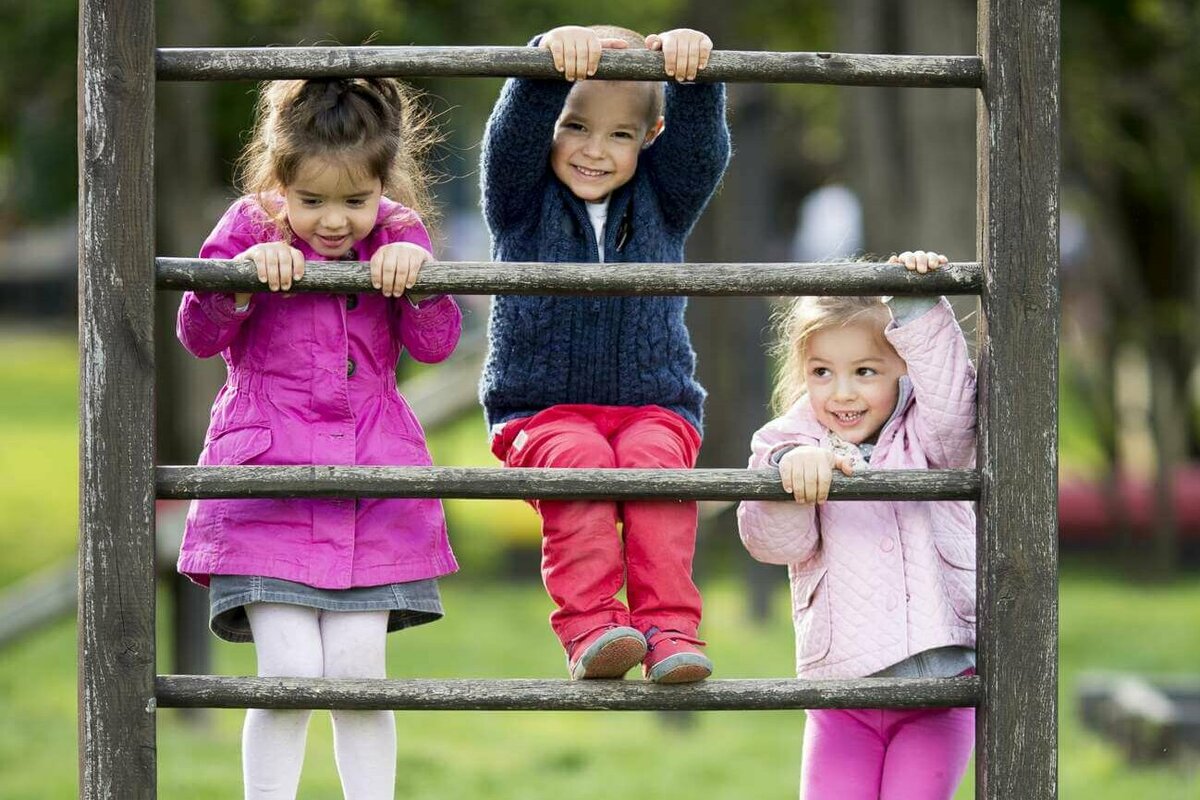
653, 133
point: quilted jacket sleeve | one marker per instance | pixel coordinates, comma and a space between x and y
943, 418
208, 321
776, 531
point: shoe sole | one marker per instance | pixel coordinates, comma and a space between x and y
682, 668
613, 659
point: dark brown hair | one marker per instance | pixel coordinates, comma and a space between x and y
372, 124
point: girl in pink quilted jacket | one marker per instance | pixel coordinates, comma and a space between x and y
318, 584
878, 588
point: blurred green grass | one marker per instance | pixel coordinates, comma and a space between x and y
499, 630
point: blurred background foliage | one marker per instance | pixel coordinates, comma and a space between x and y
1129, 424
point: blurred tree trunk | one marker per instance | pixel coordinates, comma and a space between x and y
912, 151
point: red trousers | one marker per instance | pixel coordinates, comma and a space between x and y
585, 558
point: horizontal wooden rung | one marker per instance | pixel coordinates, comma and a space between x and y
470, 277
847, 69
179, 482
206, 691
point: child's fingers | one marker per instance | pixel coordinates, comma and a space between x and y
260, 264
824, 478
272, 258
297, 264
693, 59
414, 270
582, 47
387, 274
706, 46
593, 55
670, 52
812, 482
376, 271
844, 464
556, 51
654, 42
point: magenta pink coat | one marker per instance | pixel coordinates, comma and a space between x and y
311, 380
874, 583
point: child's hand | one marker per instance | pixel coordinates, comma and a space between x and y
576, 50
278, 264
685, 51
807, 471
395, 267
921, 261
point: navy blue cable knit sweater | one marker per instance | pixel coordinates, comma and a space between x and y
628, 351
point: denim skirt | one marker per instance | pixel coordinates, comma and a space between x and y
410, 603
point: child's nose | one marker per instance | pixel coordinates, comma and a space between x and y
333, 219
845, 389
593, 147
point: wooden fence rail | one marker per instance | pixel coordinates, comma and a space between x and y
845, 69
478, 483
482, 277
205, 691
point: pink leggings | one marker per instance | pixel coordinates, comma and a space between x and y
886, 754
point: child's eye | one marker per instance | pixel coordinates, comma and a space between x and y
623, 135
356, 203
573, 126
310, 202
821, 372
866, 372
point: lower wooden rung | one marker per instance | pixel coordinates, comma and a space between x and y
209, 691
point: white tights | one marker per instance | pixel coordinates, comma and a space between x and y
298, 642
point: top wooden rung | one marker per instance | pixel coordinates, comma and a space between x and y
846, 69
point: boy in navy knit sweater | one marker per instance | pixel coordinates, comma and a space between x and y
585, 171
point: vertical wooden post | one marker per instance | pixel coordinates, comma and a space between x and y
116, 391
1018, 130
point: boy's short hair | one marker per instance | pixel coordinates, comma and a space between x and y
636, 41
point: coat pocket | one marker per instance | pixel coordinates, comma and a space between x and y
234, 446
811, 615
957, 553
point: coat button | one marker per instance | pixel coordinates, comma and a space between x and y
886, 545
350, 367
351, 302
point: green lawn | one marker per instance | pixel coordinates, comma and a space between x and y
499, 630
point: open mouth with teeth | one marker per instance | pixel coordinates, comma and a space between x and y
331, 242
848, 417
589, 173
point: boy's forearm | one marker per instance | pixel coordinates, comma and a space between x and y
690, 156
516, 145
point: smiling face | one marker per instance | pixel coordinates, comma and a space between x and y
598, 136
331, 205
852, 375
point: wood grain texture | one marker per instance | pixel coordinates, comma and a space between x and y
1018, 152
116, 392
178, 483
847, 69
462, 277
205, 691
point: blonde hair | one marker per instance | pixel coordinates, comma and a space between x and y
636, 42
374, 124
795, 326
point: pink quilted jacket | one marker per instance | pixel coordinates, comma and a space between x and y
876, 582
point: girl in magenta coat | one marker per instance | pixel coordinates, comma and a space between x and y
317, 584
